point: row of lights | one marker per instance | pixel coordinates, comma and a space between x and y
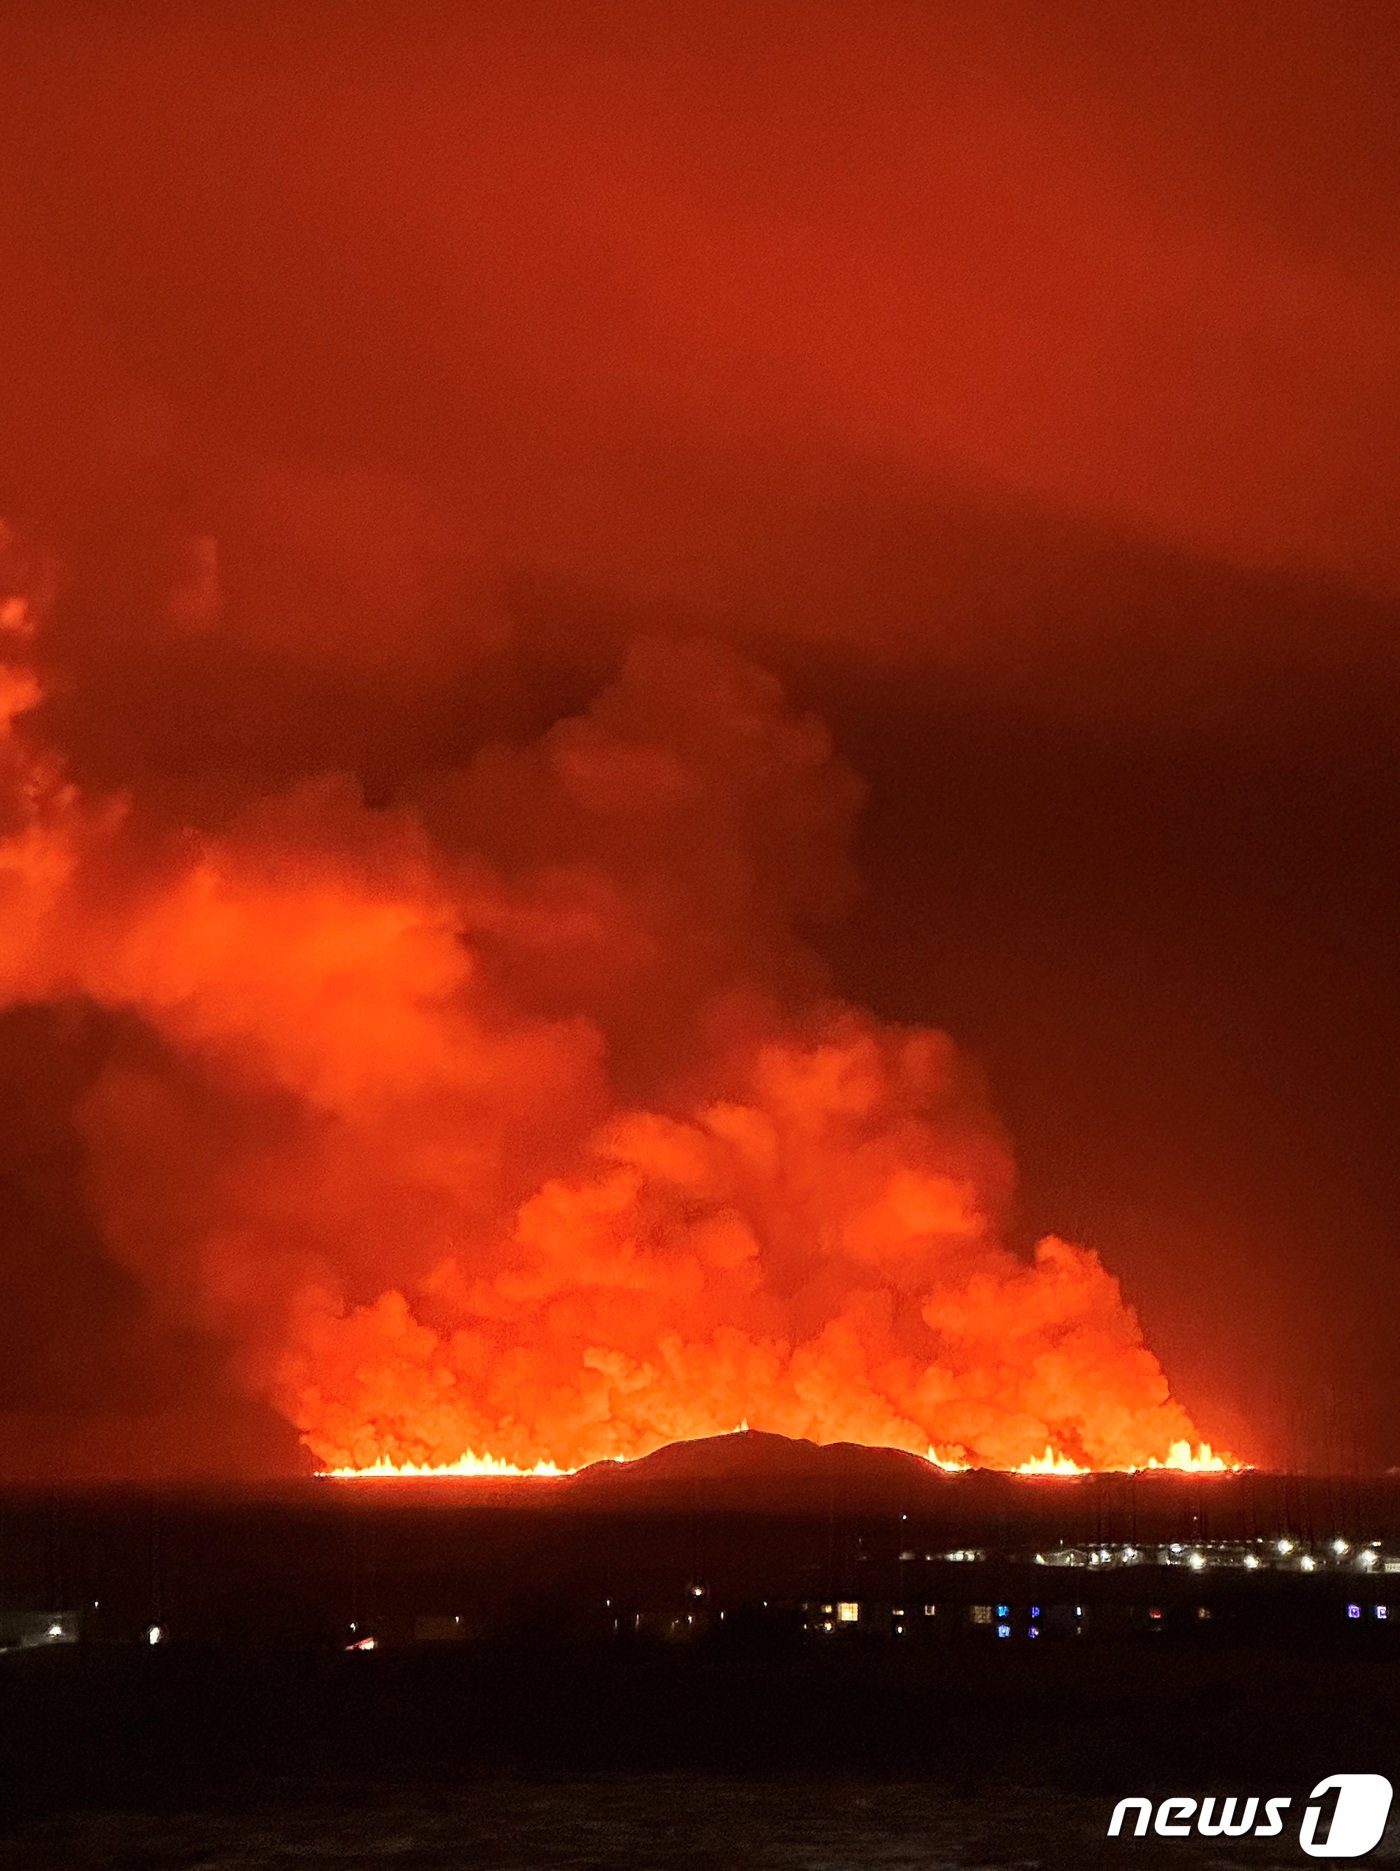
1367, 1556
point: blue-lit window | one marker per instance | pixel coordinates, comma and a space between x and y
1382, 1611
1035, 1611
1033, 1632
1353, 1611
1003, 1630
1003, 1611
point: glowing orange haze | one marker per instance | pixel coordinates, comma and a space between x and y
518, 1120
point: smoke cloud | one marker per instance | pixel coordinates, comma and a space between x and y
514, 1113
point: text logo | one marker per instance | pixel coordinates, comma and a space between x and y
1344, 1817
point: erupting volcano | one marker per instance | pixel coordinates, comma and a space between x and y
512, 1125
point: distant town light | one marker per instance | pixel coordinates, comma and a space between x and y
848, 1611
154, 1634
55, 1630
1308, 1563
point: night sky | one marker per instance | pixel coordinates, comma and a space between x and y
1018, 384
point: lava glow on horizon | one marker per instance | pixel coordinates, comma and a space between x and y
1181, 1458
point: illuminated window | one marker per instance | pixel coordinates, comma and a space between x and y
1003, 1630
1035, 1611
1155, 1615
930, 1610
1033, 1632
981, 1614
1382, 1611
847, 1611
1003, 1611
1353, 1611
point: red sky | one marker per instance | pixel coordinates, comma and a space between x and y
1019, 382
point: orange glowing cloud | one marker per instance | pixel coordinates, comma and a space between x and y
515, 1123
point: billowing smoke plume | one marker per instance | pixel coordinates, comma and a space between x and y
516, 1117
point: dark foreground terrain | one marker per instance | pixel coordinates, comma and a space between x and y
513, 1755
691, 1822
760, 1660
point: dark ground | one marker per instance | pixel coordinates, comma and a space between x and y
561, 1732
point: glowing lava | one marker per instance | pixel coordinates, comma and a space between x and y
1182, 1458
1050, 1464
480, 1466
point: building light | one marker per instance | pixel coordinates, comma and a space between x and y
1251, 1561
1308, 1563
1003, 1630
1003, 1611
1339, 1547
1353, 1611
930, 1610
1196, 1561
1383, 1612
1285, 1547
848, 1611
154, 1634
981, 1614
1035, 1611
1032, 1632
55, 1630
1367, 1559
